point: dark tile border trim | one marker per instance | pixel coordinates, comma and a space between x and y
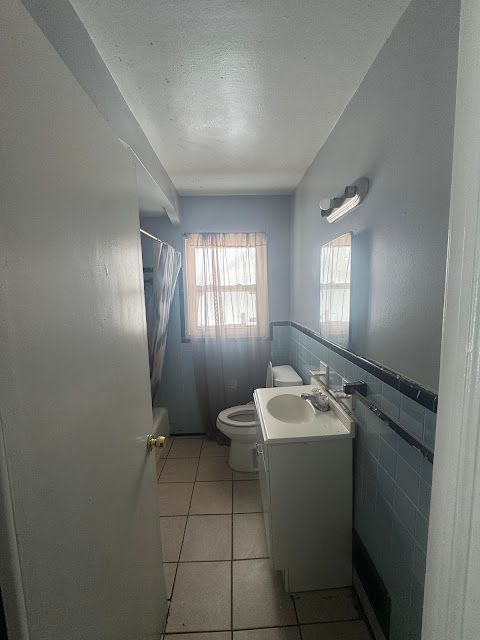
413, 390
372, 583
411, 440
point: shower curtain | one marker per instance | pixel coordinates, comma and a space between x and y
166, 266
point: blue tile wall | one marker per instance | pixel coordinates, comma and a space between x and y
392, 479
281, 345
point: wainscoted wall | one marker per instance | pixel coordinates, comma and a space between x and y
392, 478
397, 130
271, 214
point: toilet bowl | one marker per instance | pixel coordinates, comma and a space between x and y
239, 423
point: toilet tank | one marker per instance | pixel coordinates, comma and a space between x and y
282, 375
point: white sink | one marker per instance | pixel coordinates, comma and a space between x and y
284, 416
290, 408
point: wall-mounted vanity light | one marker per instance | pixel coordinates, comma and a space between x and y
335, 208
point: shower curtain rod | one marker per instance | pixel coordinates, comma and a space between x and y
147, 233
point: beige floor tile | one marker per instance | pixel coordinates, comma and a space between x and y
212, 448
213, 468
159, 464
274, 633
186, 448
207, 538
169, 569
327, 606
246, 497
249, 539
356, 630
215, 635
174, 498
211, 498
240, 475
201, 597
171, 530
258, 596
179, 470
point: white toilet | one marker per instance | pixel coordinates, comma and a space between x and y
240, 423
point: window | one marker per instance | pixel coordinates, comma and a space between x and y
226, 284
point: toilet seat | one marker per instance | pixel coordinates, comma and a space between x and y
241, 416
241, 424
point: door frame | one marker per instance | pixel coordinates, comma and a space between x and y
452, 587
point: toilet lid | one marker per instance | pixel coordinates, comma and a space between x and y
243, 415
285, 376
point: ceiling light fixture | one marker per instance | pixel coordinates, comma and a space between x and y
335, 208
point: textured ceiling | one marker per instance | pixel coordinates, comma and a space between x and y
237, 96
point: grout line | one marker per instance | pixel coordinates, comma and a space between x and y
180, 552
277, 626
222, 513
216, 560
281, 626
308, 624
176, 481
296, 616
211, 561
201, 481
195, 480
216, 513
215, 480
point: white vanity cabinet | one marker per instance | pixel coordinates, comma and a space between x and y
305, 476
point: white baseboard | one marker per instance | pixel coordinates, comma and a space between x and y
367, 607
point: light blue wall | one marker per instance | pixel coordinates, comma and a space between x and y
398, 131
271, 214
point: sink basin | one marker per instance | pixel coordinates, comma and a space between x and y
290, 408
284, 416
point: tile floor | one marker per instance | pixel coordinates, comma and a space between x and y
216, 564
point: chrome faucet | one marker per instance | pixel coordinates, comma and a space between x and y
318, 400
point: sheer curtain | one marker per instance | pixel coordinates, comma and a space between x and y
166, 266
227, 306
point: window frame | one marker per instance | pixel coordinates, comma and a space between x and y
191, 329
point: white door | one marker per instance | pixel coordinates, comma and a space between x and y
80, 555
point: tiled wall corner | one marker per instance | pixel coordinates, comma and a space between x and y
280, 353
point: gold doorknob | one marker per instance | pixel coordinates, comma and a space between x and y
159, 441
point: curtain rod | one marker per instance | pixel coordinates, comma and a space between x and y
146, 233
150, 235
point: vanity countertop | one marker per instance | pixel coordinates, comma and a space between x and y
307, 426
